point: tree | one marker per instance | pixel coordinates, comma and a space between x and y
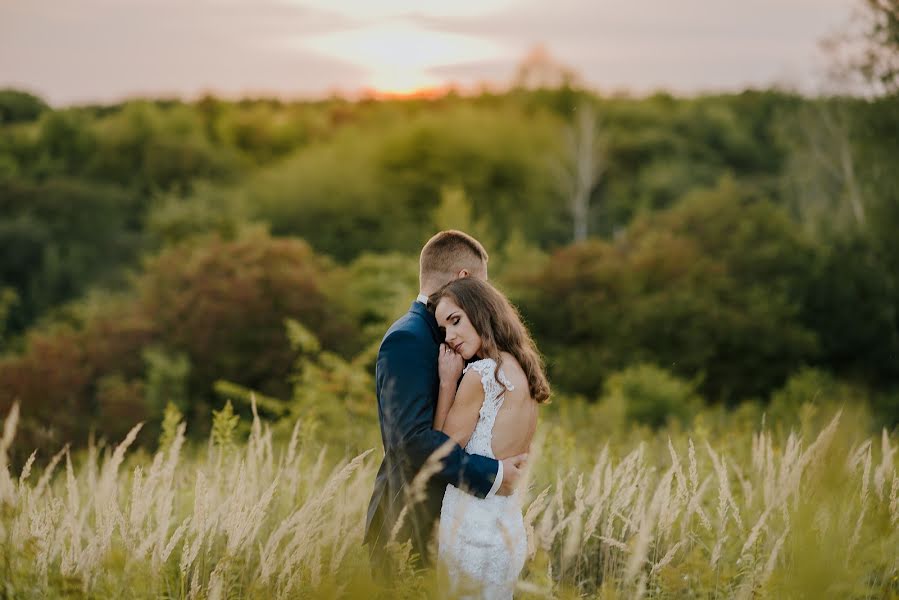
8, 298
65, 143
150, 147
708, 289
71, 379
582, 166
60, 237
539, 70
215, 308
822, 173
455, 212
851, 305
865, 53
375, 290
879, 61
18, 106
222, 304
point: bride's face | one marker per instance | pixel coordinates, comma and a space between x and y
460, 333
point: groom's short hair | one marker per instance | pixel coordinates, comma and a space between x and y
449, 252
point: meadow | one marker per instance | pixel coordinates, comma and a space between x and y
725, 507
192, 294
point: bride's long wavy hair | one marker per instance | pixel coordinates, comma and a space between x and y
499, 324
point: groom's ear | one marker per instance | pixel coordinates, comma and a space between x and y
463, 273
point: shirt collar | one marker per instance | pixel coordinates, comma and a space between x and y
423, 298
422, 310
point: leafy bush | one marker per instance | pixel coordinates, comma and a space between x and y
333, 393
73, 378
886, 407
375, 290
120, 402
809, 391
167, 377
651, 395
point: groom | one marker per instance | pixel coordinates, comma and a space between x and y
407, 385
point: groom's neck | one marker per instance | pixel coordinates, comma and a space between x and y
429, 288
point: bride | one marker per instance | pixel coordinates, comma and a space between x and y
482, 541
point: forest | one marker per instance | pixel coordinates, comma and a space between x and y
154, 250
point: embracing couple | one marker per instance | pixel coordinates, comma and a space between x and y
458, 381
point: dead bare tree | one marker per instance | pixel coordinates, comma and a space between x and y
582, 166
823, 169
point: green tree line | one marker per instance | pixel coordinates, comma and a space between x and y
151, 249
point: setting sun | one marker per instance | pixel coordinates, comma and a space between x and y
398, 58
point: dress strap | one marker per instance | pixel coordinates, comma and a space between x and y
487, 367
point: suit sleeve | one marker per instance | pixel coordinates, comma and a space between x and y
405, 379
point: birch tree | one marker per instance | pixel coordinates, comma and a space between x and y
582, 166
822, 170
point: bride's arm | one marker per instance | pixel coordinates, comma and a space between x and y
449, 370
445, 398
460, 408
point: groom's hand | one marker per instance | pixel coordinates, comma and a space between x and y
512, 468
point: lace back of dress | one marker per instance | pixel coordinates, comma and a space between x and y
494, 393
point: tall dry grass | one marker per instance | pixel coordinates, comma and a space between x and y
676, 514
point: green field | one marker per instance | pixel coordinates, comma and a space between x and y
722, 508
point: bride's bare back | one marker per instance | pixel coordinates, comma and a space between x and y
516, 420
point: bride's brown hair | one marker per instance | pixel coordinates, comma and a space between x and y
498, 323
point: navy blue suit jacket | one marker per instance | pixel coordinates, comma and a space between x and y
407, 384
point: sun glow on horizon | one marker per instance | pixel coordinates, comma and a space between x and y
398, 57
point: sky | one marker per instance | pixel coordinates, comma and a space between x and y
77, 51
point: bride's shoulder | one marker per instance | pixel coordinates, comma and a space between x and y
513, 370
510, 363
481, 370
473, 376
481, 366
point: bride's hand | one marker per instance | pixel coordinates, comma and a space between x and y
449, 366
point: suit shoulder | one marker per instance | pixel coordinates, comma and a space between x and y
406, 341
407, 328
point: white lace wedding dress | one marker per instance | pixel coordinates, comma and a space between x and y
482, 541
